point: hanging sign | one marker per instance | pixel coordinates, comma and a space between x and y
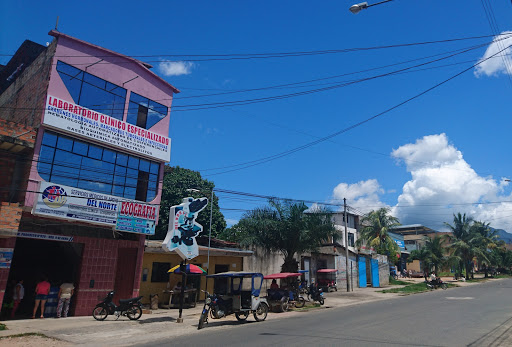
183, 229
6, 257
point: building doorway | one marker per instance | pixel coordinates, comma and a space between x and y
32, 259
125, 273
220, 285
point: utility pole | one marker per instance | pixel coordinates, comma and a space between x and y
346, 242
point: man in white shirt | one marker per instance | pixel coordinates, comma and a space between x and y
19, 293
66, 291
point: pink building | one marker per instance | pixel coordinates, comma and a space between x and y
83, 142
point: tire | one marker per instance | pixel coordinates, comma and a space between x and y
261, 312
395, 277
321, 301
444, 286
242, 316
202, 320
284, 305
134, 312
100, 313
300, 302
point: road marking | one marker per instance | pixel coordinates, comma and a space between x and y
459, 298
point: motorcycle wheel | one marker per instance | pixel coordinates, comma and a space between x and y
261, 312
444, 286
134, 313
242, 316
300, 302
284, 304
321, 301
202, 320
100, 313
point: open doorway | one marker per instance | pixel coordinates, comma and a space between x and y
33, 259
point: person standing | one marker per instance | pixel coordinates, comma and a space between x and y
66, 291
42, 290
19, 293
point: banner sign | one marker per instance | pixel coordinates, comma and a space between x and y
47, 237
83, 122
400, 243
75, 204
6, 257
183, 228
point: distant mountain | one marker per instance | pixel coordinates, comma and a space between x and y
503, 235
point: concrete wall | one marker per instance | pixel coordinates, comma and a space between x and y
263, 261
383, 269
353, 271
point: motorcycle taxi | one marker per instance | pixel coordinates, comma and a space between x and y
242, 298
282, 298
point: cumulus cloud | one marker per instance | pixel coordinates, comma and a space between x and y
442, 183
501, 63
363, 195
230, 222
176, 68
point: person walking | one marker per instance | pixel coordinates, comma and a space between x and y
66, 291
42, 290
19, 293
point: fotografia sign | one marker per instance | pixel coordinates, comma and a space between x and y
183, 228
83, 122
59, 201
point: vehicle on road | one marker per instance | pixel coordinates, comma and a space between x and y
316, 293
288, 296
438, 283
131, 308
326, 279
241, 297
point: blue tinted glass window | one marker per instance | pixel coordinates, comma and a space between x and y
122, 159
109, 156
95, 152
49, 139
133, 162
154, 111
80, 148
70, 162
65, 143
93, 92
154, 168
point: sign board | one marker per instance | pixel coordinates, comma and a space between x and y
400, 243
86, 123
6, 257
46, 237
183, 229
59, 201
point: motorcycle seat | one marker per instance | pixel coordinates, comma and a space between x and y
125, 301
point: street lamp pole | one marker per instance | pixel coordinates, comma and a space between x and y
355, 9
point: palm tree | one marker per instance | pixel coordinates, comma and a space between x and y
431, 255
375, 231
286, 227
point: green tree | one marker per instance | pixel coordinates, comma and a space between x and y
375, 231
431, 255
285, 227
176, 182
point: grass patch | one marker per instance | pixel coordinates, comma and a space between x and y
307, 307
394, 282
409, 289
27, 334
3, 326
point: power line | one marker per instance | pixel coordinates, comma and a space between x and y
328, 137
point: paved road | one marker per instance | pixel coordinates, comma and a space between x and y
479, 315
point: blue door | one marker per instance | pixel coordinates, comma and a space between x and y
375, 273
362, 272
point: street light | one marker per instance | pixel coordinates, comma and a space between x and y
210, 232
355, 9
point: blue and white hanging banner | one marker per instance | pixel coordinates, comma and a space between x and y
46, 237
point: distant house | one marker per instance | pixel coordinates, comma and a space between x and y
415, 236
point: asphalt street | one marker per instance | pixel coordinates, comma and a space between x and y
478, 315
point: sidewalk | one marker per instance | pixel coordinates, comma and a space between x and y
160, 324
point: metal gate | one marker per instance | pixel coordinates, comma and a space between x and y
362, 272
375, 273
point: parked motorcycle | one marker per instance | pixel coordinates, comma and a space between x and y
316, 294
132, 308
438, 283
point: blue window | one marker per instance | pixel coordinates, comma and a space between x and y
144, 112
77, 164
93, 92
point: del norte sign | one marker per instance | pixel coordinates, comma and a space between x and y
183, 228
83, 122
59, 201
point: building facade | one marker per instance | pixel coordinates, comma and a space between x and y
83, 142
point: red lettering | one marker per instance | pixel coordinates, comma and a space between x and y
60, 104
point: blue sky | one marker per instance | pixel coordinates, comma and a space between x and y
431, 157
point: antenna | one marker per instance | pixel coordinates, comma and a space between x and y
57, 24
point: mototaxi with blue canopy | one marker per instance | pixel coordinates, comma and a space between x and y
243, 289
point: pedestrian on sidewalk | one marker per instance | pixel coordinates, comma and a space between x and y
42, 290
19, 293
66, 291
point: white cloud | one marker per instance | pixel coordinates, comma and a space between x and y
230, 222
442, 183
176, 68
363, 195
499, 64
